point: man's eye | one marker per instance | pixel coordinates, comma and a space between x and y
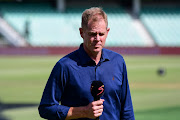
101, 34
92, 34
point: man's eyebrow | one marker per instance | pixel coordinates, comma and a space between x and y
95, 32
92, 32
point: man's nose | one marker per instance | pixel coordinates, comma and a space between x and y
97, 37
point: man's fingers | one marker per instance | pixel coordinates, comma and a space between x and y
98, 112
95, 109
97, 115
99, 102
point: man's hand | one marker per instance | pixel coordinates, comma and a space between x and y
92, 110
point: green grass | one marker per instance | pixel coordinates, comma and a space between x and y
22, 80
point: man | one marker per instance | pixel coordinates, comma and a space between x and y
71, 78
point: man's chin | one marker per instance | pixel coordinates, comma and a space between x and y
97, 49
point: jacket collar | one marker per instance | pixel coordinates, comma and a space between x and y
85, 59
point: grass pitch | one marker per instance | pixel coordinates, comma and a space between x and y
155, 97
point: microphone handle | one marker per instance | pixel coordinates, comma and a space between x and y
96, 118
95, 99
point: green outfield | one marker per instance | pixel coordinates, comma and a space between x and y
155, 97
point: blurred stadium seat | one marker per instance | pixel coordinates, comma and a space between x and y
48, 27
163, 23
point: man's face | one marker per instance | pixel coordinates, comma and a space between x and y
94, 36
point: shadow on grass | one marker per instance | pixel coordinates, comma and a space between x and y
167, 113
4, 107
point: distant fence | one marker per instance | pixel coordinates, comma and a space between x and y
66, 50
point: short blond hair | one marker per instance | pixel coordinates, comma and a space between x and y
93, 14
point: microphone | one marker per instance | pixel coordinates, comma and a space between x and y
97, 91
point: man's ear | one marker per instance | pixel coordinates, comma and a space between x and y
81, 32
108, 29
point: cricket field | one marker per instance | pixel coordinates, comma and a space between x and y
156, 96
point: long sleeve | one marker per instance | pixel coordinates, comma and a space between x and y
127, 112
49, 107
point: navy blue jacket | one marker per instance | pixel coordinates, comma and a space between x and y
70, 81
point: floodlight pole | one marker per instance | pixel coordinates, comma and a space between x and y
61, 6
136, 8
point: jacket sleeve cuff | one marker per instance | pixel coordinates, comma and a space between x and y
62, 112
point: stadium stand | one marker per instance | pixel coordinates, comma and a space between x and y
123, 31
47, 27
163, 23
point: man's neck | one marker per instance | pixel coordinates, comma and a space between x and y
96, 56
